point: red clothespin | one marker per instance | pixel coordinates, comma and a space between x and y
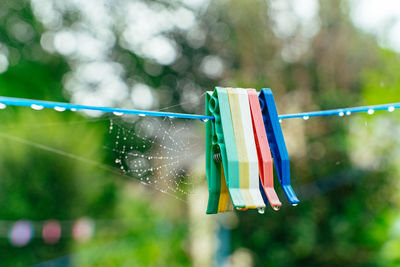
263, 152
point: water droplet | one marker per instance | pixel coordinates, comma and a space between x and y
370, 111
2, 106
117, 161
204, 120
348, 113
59, 109
295, 204
261, 210
116, 113
142, 115
37, 107
280, 121
306, 117
341, 114
391, 109
73, 109
276, 208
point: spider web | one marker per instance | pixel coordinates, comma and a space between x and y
164, 153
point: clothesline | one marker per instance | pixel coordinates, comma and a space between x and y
59, 106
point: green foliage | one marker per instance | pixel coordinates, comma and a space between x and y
53, 165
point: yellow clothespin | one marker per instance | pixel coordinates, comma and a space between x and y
245, 145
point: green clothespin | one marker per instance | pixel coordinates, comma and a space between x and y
221, 155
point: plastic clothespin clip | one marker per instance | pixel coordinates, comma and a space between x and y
263, 152
222, 164
277, 143
245, 144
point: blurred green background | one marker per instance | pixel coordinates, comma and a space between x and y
314, 54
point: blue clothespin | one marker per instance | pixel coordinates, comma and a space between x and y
277, 143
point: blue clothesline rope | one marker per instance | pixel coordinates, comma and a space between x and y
39, 104
342, 111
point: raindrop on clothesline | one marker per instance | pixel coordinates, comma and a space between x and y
59, 109
37, 107
306, 117
116, 113
370, 111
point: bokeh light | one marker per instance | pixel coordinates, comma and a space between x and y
83, 230
21, 233
51, 232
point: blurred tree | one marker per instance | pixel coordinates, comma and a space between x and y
52, 165
335, 228
154, 54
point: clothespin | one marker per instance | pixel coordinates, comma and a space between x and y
245, 145
222, 163
263, 152
277, 143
